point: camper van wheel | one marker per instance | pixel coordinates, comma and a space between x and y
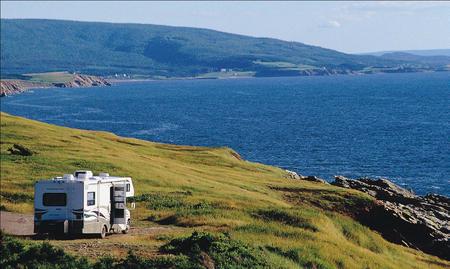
127, 229
103, 233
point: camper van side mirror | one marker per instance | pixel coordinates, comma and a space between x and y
133, 205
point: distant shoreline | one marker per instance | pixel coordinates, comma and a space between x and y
17, 86
118, 81
177, 78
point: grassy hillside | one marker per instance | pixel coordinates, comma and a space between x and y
285, 223
46, 79
104, 49
51, 77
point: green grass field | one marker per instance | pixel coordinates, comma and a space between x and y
227, 74
50, 77
290, 223
286, 65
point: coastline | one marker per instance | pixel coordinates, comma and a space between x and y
17, 86
51, 80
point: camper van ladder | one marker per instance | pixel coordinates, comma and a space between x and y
119, 203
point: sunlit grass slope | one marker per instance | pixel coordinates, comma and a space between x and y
291, 223
50, 77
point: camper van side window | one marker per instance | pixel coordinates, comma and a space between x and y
91, 198
128, 187
54, 199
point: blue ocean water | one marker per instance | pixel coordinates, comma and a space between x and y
388, 125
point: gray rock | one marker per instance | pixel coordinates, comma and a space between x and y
294, 175
314, 179
421, 222
381, 189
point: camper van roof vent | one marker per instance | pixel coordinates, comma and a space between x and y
68, 177
83, 174
103, 175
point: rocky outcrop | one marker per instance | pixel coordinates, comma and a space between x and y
294, 175
381, 189
16, 86
421, 222
9, 88
314, 179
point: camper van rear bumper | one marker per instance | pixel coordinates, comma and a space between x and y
58, 227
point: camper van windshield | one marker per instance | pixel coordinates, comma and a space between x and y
54, 199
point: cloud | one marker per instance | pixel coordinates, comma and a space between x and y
331, 24
334, 24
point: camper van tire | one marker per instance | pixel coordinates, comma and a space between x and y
127, 229
103, 232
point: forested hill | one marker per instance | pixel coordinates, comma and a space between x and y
35, 45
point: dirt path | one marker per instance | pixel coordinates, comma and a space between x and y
16, 223
142, 241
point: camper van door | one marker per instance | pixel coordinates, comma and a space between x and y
119, 203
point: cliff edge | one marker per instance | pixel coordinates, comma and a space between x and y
57, 79
420, 222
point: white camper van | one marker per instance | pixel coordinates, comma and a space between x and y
82, 204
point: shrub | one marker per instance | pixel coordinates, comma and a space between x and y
274, 230
217, 250
135, 262
14, 254
305, 260
158, 201
17, 197
176, 203
18, 149
288, 218
197, 209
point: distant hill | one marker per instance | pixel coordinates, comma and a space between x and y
431, 52
434, 60
437, 58
35, 45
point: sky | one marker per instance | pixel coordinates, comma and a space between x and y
353, 27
